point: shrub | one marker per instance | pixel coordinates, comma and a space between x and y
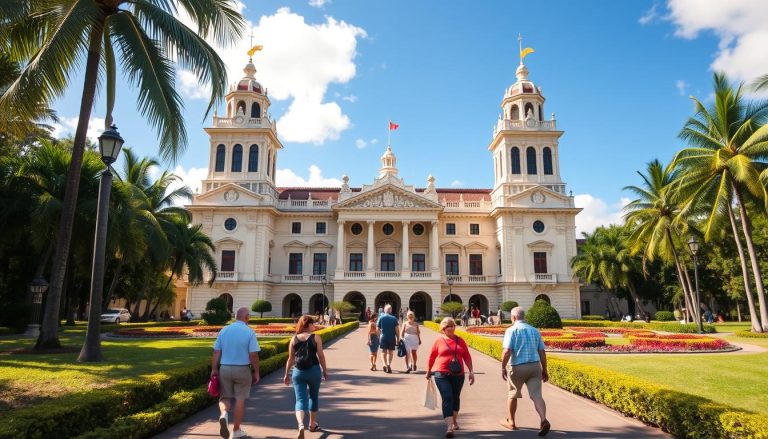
216, 312
15, 315
750, 334
592, 317
508, 305
343, 307
679, 413
543, 315
261, 306
665, 316
451, 308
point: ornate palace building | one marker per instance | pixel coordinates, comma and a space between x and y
388, 241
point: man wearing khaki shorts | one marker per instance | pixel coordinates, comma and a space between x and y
523, 346
236, 362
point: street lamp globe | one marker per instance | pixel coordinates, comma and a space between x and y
110, 143
38, 287
693, 245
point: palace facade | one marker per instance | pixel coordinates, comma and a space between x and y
388, 241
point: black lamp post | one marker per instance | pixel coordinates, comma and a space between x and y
450, 289
323, 282
37, 288
110, 143
693, 245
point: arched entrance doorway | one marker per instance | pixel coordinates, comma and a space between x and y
543, 297
481, 302
387, 297
358, 300
292, 305
318, 303
421, 305
452, 298
230, 301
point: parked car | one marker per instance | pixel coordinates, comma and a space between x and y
115, 315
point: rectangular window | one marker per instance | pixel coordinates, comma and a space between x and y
540, 262
355, 262
476, 265
387, 262
452, 265
320, 228
227, 260
320, 263
450, 229
418, 262
295, 263
474, 229
585, 308
296, 228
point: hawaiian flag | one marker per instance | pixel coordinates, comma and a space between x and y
393, 126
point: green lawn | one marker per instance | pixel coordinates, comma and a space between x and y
29, 379
738, 380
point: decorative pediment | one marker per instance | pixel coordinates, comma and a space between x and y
388, 243
539, 196
540, 244
320, 245
294, 245
451, 244
476, 246
228, 242
228, 194
388, 197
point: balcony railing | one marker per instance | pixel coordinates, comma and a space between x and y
469, 279
304, 204
243, 122
226, 276
386, 275
544, 278
421, 275
524, 125
354, 275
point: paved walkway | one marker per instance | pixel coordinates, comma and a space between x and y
356, 402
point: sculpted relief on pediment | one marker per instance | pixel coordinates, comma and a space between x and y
388, 199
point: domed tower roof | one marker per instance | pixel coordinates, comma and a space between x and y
249, 82
388, 163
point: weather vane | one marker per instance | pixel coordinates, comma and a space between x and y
253, 48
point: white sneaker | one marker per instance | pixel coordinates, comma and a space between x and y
238, 433
223, 428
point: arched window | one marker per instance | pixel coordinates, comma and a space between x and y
255, 110
237, 158
269, 163
541, 113
253, 158
529, 107
515, 160
547, 161
274, 166
220, 154
530, 160
241, 107
514, 114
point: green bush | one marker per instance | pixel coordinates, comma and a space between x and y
261, 306
15, 315
750, 334
688, 328
543, 315
451, 308
508, 305
664, 316
592, 317
8, 331
682, 414
216, 312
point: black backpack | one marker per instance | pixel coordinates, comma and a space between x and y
302, 353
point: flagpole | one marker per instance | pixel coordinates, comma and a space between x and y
389, 134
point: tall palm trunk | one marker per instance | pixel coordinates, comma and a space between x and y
49, 337
115, 279
746, 226
756, 327
639, 310
686, 298
696, 312
683, 279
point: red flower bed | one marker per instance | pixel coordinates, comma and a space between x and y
698, 344
573, 343
489, 330
140, 332
606, 330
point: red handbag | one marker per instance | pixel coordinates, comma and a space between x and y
213, 386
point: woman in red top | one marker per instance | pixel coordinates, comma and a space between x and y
449, 348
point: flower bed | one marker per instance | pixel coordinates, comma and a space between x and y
573, 343
671, 344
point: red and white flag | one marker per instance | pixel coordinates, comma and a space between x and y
393, 126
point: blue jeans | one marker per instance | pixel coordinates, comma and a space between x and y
303, 380
449, 387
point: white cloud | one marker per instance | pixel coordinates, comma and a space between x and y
68, 125
288, 178
457, 183
596, 212
374, 141
740, 25
191, 88
681, 86
193, 178
650, 15
318, 3
350, 98
299, 62
360, 143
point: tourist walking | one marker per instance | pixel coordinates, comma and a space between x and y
524, 362
499, 316
465, 317
447, 359
305, 368
387, 324
373, 340
411, 336
236, 364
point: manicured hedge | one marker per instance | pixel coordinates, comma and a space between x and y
665, 316
4, 330
682, 414
71, 415
689, 328
592, 317
750, 334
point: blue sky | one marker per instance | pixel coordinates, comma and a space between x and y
617, 75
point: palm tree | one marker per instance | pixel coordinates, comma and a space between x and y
51, 36
191, 249
722, 167
760, 83
652, 219
605, 260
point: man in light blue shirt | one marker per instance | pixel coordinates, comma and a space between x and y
388, 325
523, 346
236, 363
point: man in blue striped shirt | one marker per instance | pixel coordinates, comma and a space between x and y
523, 346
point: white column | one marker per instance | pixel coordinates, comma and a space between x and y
371, 256
340, 248
434, 248
406, 265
